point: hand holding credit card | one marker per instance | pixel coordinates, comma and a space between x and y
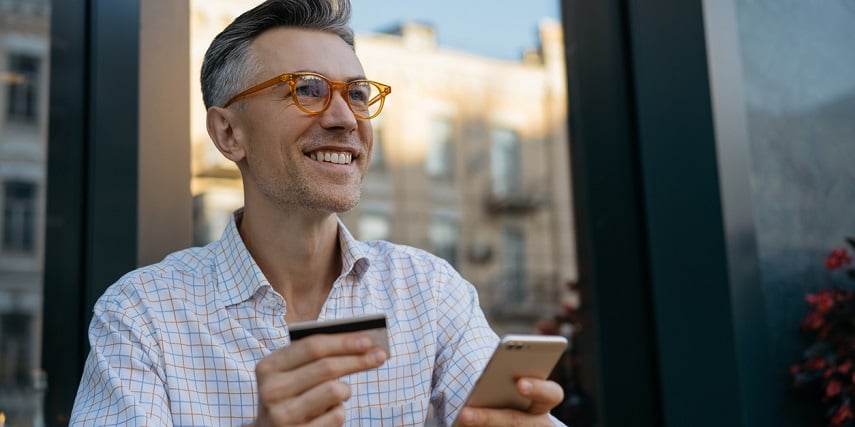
373, 324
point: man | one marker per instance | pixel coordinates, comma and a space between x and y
201, 338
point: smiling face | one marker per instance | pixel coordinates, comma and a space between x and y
289, 158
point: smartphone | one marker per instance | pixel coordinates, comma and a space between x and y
516, 356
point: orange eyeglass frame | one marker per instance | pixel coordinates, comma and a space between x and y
291, 79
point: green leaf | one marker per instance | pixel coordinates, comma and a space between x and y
851, 241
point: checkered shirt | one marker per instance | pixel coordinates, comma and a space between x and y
176, 343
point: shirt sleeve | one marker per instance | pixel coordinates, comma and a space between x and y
121, 384
465, 343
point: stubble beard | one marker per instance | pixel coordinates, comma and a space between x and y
297, 192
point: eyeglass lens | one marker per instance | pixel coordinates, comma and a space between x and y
313, 94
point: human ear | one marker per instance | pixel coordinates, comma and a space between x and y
222, 129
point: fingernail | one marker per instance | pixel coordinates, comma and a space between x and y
525, 387
379, 356
467, 416
363, 343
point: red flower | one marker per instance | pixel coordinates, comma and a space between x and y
815, 364
843, 413
822, 301
833, 388
813, 321
829, 360
837, 258
548, 327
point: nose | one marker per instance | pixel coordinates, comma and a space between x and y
338, 114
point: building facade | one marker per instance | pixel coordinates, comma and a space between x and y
24, 77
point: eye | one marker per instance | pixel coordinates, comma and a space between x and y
311, 87
360, 92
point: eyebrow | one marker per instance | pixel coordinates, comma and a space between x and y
350, 79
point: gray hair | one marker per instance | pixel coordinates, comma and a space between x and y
228, 64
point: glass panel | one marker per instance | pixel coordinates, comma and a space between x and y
783, 88
24, 65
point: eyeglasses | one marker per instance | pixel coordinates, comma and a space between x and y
312, 93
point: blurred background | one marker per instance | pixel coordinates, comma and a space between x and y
660, 182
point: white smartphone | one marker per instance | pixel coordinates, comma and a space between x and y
517, 356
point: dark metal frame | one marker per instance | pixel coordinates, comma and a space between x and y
91, 226
668, 267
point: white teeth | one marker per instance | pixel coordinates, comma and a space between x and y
332, 157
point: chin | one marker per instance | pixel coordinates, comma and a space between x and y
342, 204
346, 207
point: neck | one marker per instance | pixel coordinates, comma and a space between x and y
299, 255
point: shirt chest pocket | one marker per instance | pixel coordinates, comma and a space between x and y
412, 413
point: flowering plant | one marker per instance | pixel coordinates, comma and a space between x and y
828, 363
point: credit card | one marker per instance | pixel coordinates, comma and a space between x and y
373, 324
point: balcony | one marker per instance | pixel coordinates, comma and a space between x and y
537, 297
515, 202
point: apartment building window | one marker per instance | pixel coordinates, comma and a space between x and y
374, 226
505, 162
513, 262
444, 234
21, 88
19, 213
439, 161
16, 360
212, 211
378, 158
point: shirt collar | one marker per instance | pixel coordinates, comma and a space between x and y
239, 277
353, 257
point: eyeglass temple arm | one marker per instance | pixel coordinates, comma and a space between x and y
385, 91
259, 87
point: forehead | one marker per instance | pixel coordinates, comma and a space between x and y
286, 49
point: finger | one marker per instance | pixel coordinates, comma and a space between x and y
483, 417
276, 386
310, 405
335, 417
544, 394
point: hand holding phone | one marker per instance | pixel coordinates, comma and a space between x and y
516, 356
